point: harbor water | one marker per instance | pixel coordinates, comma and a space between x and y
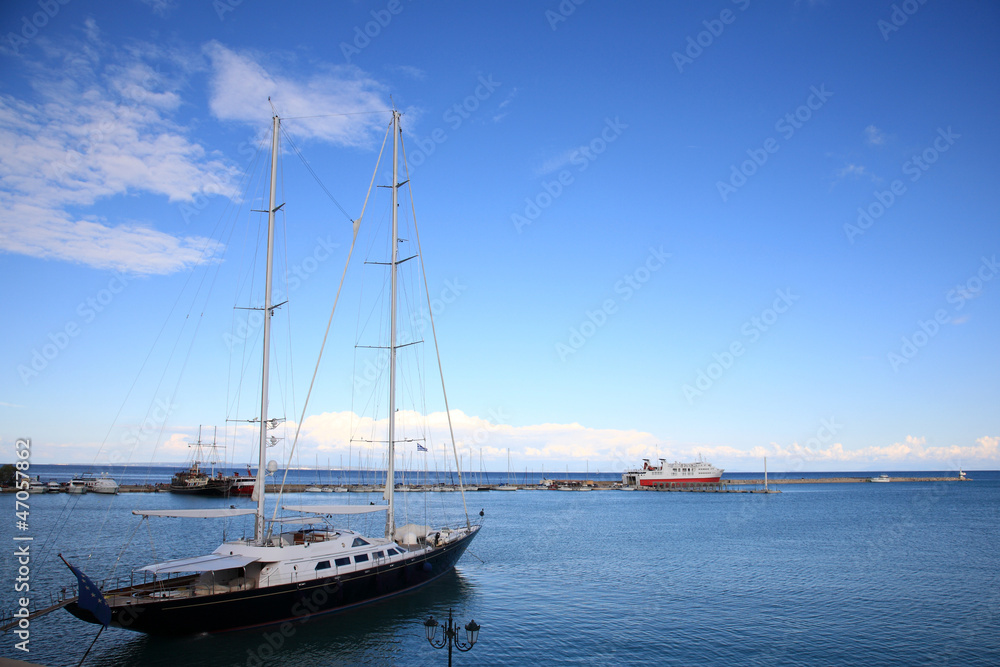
821, 574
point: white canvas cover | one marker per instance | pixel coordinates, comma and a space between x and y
336, 509
209, 563
196, 514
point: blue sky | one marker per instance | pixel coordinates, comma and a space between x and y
732, 229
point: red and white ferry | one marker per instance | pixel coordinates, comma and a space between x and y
671, 474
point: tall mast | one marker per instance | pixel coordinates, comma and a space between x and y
258, 532
390, 476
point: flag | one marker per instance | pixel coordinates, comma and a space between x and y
421, 448
90, 598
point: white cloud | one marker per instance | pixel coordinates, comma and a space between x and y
410, 71
852, 170
99, 127
557, 162
874, 136
160, 7
241, 84
502, 110
912, 452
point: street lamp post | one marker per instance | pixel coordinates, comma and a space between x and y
450, 635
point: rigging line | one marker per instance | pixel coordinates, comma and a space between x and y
309, 168
205, 253
232, 328
245, 359
220, 227
430, 313
288, 305
124, 548
298, 427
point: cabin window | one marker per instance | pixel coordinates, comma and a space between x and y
361, 558
379, 554
358, 542
341, 562
323, 565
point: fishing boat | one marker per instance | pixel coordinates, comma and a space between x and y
303, 563
671, 474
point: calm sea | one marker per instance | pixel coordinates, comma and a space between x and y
820, 574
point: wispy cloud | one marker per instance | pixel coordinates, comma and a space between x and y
557, 162
99, 126
874, 136
326, 106
855, 171
160, 7
503, 107
410, 71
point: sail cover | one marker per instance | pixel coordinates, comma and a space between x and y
336, 509
196, 514
209, 563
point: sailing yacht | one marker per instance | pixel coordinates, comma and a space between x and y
303, 563
507, 486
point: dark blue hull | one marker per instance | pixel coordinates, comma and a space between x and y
292, 603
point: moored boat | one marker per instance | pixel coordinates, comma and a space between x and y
300, 564
194, 480
671, 474
77, 485
103, 484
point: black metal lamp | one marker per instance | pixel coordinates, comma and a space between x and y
450, 635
